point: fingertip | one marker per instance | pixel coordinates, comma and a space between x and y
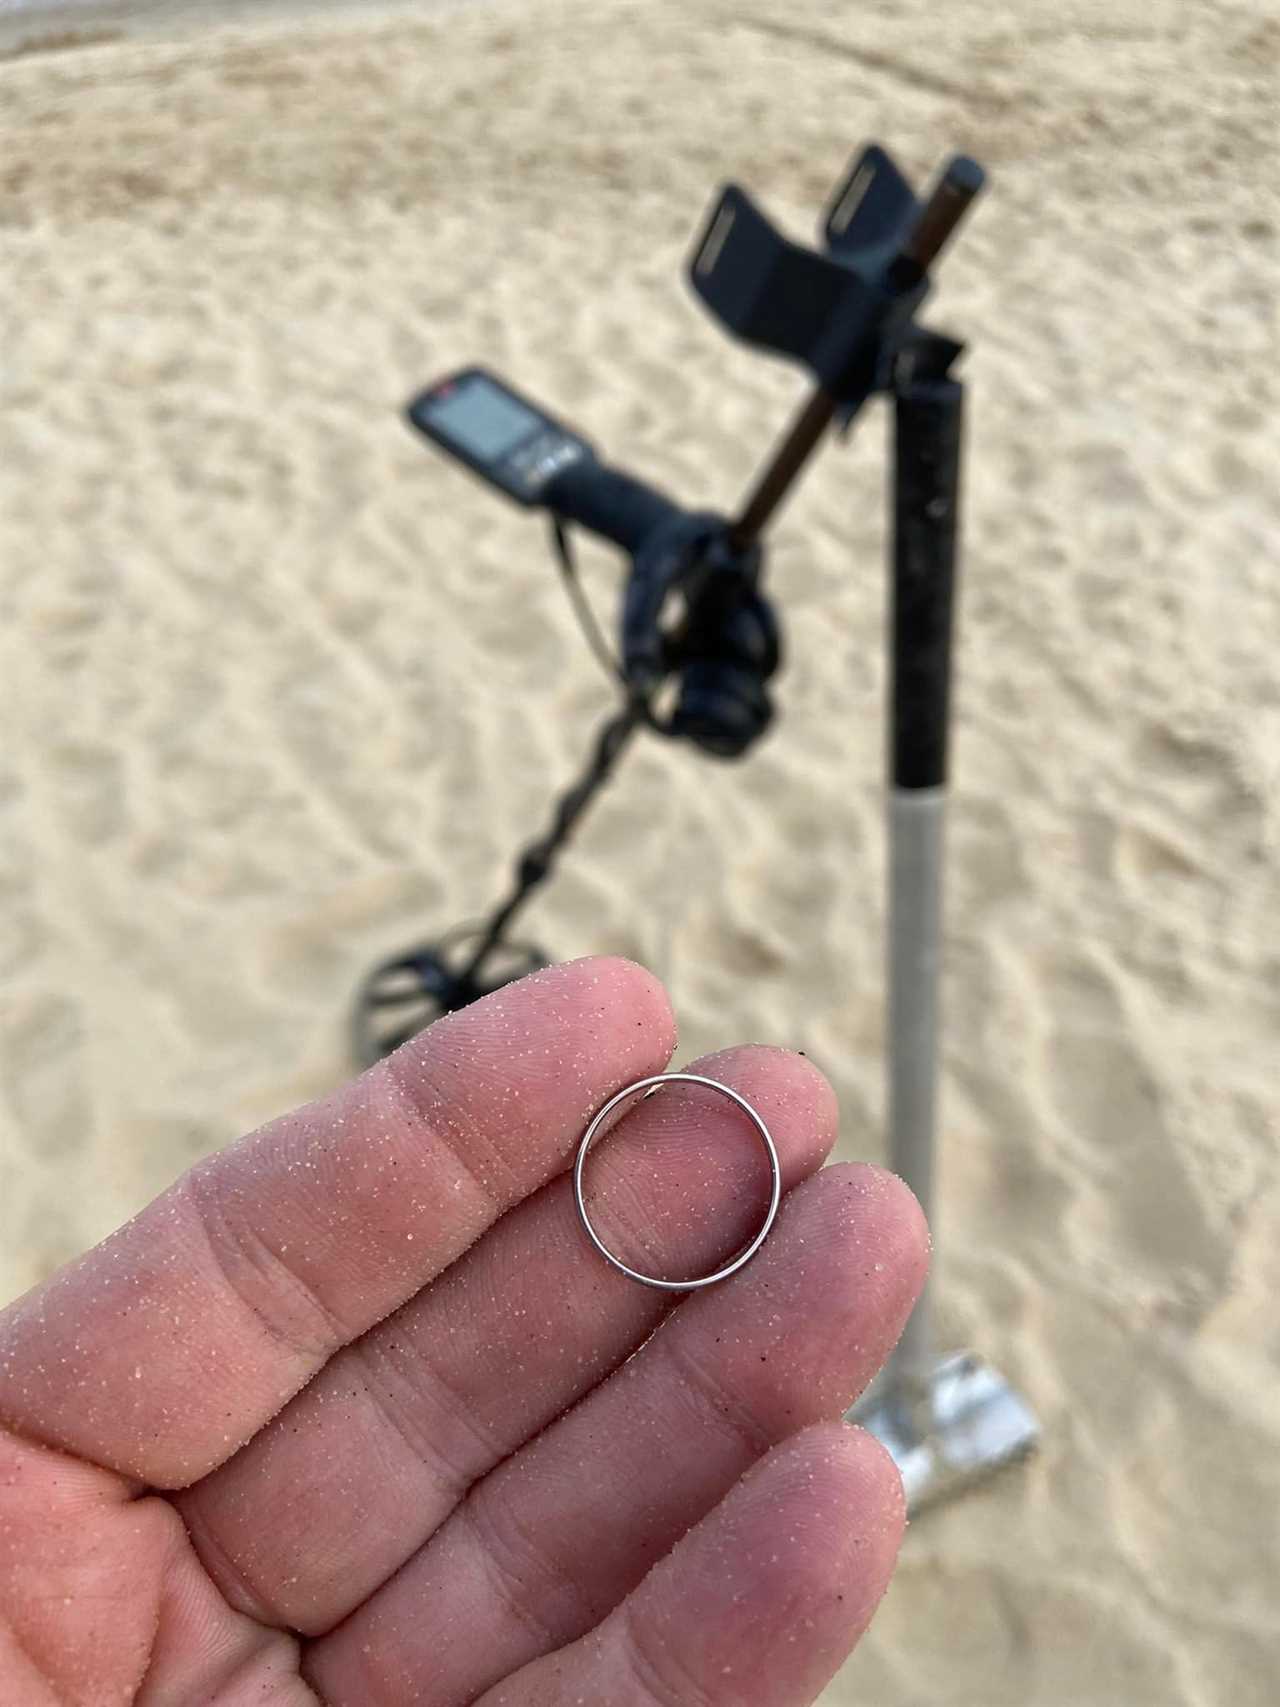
633, 988
877, 1505
605, 1008
843, 1494
792, 1096
890, 1225
853, 1236
610, 985
763, 1599
846, 1468
799, 1085
873, 1480
906, 1218
783, 1577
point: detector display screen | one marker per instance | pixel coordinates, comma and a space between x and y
481, 419
498, 434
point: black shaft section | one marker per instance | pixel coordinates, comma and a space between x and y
784, 469
926, 493
611, 504
947, 205
536, 861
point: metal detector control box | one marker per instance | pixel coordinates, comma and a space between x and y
529, 456
499, 435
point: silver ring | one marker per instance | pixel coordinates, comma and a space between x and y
648, 1086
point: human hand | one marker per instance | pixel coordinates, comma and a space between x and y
353, 1414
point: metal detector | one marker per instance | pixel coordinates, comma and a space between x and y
699, 642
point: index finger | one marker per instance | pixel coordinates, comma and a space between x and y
164, 1349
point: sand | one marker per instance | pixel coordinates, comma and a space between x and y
283, 693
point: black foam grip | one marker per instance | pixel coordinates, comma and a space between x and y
657, 569
613, 505
927, 435
642, 649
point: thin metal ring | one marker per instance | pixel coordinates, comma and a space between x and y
648, 1086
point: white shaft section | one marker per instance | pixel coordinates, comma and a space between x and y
916, 826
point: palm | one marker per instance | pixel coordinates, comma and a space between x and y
353, 1414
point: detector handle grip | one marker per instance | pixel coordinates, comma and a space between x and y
607, 502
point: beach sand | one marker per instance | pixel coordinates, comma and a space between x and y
283, 692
